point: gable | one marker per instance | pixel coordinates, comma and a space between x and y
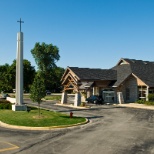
69, 75
122, 62
143, 70
123, 72
139, 81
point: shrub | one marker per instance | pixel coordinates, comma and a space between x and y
149, 103
140, 101
151, 97
5, 104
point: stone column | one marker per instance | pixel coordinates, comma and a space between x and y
93, 90
88, 93
64, 97
77, 100
147, 93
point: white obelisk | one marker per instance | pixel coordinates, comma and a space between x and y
19, 69
19, 106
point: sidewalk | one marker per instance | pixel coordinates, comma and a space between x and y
131, 105
135, 105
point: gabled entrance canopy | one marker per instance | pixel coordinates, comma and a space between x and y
76, 79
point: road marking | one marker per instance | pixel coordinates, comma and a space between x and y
7, 149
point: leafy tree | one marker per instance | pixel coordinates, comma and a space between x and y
45, 56
5, 78
56, 82
37, 90
12, 72
8, 76
28, 74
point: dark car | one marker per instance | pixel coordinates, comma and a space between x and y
95, 99
48, 92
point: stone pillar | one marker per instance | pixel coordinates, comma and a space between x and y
64, 97
147, 93
97, 91
88, 93
77, 100
93, 90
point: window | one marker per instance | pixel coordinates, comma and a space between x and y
142, 92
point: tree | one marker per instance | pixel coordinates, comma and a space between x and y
45, 56
57, 75
37, 90
5, 78
28, 74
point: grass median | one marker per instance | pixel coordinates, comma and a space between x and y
32, 119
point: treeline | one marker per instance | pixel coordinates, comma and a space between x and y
45, 57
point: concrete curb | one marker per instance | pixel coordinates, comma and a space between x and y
2, 124
71, 106
134, 105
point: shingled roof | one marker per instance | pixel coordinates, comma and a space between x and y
94, 74
144, 70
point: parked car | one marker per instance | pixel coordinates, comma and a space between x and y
48, 92
95, 99
4, 96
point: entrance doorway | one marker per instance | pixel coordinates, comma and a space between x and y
108, 96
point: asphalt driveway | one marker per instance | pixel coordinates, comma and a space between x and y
112, 130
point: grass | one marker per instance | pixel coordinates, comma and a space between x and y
46, 119
50, 97
47, 97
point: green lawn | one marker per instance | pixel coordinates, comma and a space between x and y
47, 97
47, 118
52, 97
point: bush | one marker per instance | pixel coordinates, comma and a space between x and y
151, 97
145, 102
140, 101
5, 104
149, 103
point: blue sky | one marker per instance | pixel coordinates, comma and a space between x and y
88, 33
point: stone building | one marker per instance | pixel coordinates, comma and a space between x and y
129, 80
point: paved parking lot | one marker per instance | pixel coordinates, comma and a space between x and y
112, 130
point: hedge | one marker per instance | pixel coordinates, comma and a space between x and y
4, 104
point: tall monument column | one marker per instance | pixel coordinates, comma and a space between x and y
19, 69
19, 106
